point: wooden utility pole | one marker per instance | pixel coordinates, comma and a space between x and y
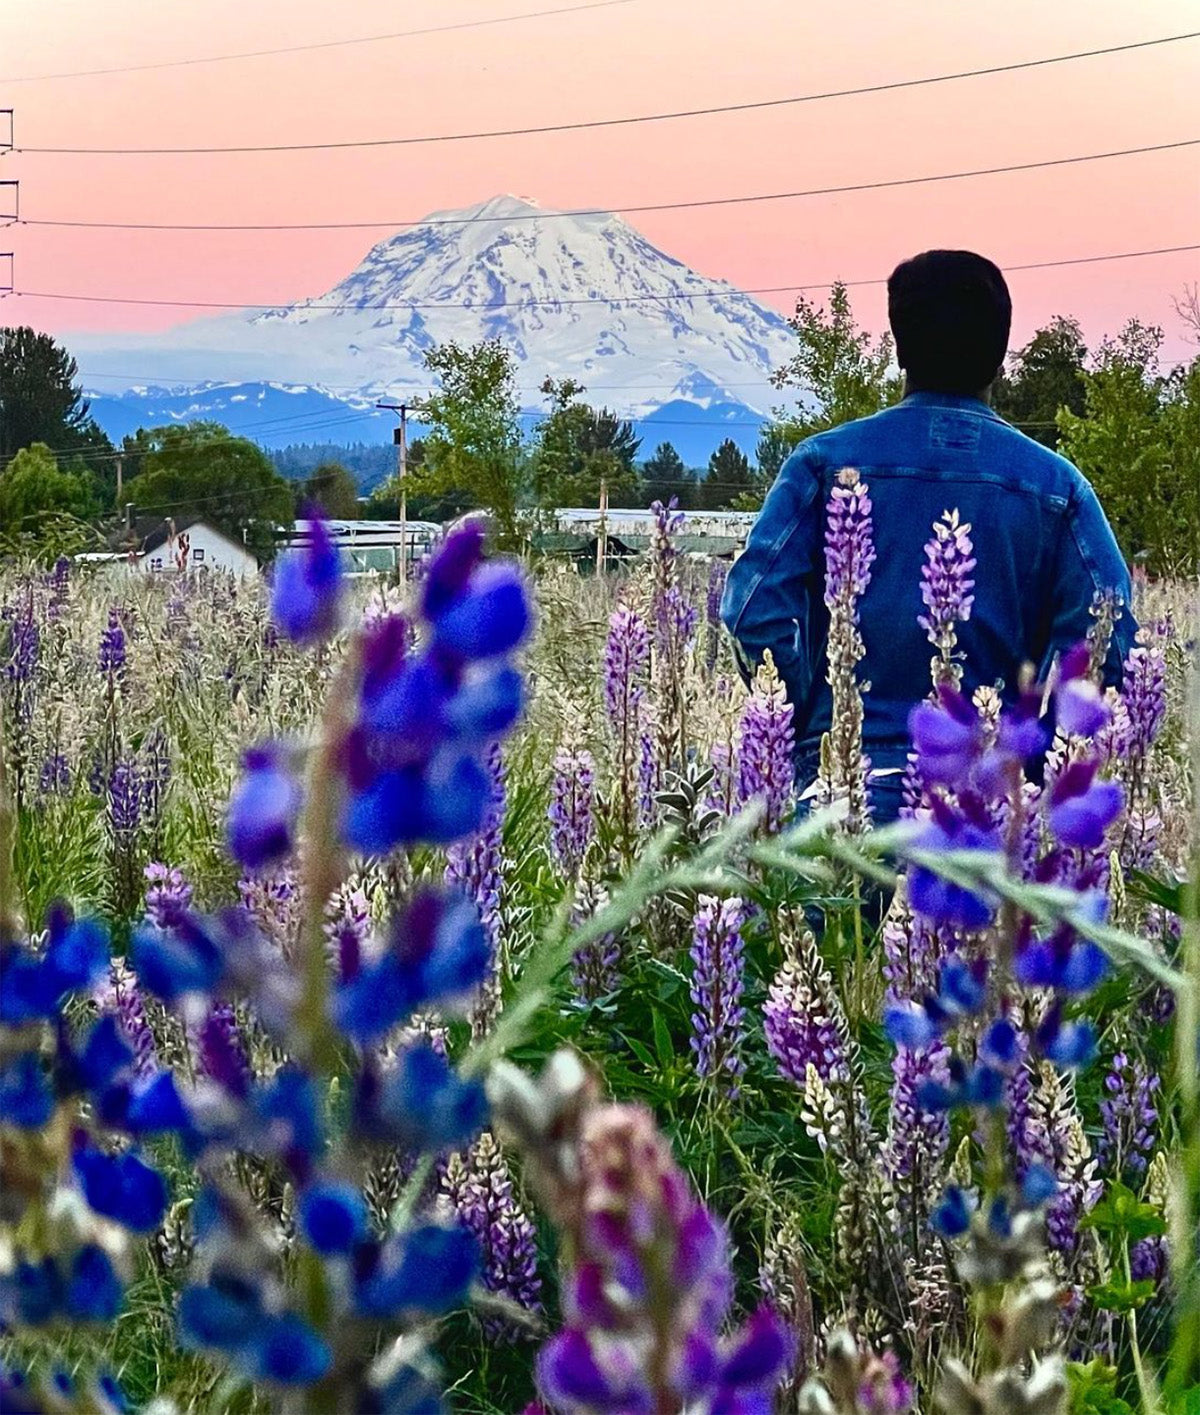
602, 529
401, 439
120, 478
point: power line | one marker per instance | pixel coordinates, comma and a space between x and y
627, 210
324, 44
629, 120
716, 292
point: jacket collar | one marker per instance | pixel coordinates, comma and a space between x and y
950, 400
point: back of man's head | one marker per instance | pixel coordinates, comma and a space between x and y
950, 313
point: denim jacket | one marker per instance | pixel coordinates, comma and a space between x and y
1042, 543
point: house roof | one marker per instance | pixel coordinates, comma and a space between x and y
150, 533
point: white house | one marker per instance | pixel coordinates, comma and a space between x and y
175, 547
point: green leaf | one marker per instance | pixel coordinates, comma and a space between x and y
662, 1041
1122, 1296
1093, 1389
1150, 889
641, 1052
1124, 1215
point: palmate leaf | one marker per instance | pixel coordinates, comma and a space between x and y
1125, 1216
1122, 1297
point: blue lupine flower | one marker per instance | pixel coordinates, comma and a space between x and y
450, 569
490, 618
174, 962
420, 1103
1081, 808
909, 1025
952, 1217
385, 812
26, 1097
962, 987
1000, 1047
94, 1291
940, 899
307, 588
1071, 1045
333, 1216
947, 737
286, 1118
1064, 961
220, 1315
122, 1187
24, 996
286, 1350
156, 1107
427, 1271
1080, 709
455, 797
77, 953
109, 1390
36, 1292
263, 811
487, 705
1038, 1185
105, 1053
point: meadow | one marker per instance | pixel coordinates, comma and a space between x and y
768, 1129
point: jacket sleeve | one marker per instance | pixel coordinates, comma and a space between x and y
767, 592
1089, 563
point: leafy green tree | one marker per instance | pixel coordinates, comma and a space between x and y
33, 486
333, 489
474, 446
1136, 443
840, 370
1044, 376
200, 469
40, 397
577, 449
664, 476
729, 477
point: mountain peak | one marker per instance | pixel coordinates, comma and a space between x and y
504, 207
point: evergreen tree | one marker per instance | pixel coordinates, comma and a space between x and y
665, 476
729, 477
333, 489
40, 397
578, 448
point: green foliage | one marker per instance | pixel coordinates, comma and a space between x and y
40, 398
334, 490
201, 470
1123, 1216
33, 487
1138, 443
474, 445
774, 446
840, 370
729, 476
664, 476
1093, 1389
1047, 375
577, 448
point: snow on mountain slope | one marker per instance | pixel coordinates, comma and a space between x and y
585, 297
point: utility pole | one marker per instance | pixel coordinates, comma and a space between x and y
120, 479
602, 532
400, 436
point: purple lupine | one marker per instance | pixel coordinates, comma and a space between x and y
947, 592
626, 660
273, 901
849, 543
913, 950
803, 1019
718, 981
219, 1050
155, 759
60, 584
1150, 1260
917, 1137
112, 656
120, 995
348, 929
168, 894
718, 573
476, 865
1056, 1138
479, 1191
674, 622
649, 775
572, 807
1129, 1114
595, 968
125, 797
54, 779
766, 738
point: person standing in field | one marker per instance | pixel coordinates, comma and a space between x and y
1042, 544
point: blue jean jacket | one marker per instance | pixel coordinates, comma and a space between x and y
1042, 543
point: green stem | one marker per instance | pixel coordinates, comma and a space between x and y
9, 917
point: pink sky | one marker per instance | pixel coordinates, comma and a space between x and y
642, 56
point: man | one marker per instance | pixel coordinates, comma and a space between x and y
1042, 544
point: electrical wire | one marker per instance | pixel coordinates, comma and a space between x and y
716, 292
629, 120
629, 210
308, 48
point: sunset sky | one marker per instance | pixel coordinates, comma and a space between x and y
638, 56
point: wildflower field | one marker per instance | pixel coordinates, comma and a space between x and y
449, 999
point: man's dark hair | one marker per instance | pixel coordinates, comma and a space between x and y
950, 313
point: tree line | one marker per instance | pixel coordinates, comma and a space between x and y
1130, 425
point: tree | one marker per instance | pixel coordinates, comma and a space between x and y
474, 445
578, 449
33, 487
844, 372
665, 476
729, 477
40, 401
333, 489
1136, 443
201, 470
775, 444
1043, 377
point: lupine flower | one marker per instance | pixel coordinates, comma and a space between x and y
595, 968
572, 806
803, 1018
1129, 1113
849, 555
273, 899
112, 648
119, 994
307, 588
220, 1051
717, 985
479, 1191
263, 811
946, 590
718, 573
168, 894
1057, 1136
917, 1137
348, 929
125, 797
766, 739
55, 776
1144, 694
650, 1289
476, 867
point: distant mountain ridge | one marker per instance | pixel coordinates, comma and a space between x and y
573, 296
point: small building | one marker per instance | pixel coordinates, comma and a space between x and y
153, 546
576, 532
373, 547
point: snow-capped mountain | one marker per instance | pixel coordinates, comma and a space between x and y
579, 296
